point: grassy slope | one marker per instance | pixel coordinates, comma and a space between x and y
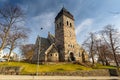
31, 68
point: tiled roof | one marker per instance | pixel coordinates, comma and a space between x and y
64, 12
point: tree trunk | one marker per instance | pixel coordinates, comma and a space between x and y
83, 56
115, 58
5, 37
93, 62
12, 47
113, 49
102, 60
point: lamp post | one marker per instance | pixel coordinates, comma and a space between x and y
38, 54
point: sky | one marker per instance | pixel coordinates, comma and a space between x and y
89, 15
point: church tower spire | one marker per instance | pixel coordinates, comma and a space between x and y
65, 34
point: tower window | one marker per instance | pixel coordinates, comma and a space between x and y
50, 54
70, 24
67, 23
56, 54
79, 54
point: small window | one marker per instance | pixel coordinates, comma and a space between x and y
50, 54
70, 24
56, 54
79, 54
67, 23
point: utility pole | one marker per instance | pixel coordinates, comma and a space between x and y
38, 54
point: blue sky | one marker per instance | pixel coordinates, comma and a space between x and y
89, 15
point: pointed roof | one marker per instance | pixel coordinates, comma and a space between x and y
43, 41
51, 37
52, 46
65, 12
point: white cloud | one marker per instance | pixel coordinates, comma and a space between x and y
45, 20
86, 23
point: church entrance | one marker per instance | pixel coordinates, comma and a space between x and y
71, 56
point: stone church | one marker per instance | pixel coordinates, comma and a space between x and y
63, 45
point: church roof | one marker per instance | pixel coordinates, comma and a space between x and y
51, 38
44, 41
52, 46
64, 12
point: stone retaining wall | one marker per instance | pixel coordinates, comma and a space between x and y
10, 70
99, 72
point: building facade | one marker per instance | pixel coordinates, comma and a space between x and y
63, 46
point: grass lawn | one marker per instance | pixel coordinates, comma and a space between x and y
32, 68
100, 66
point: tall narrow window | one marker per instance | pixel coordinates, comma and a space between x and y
79, 54
56, 54
50, 54
70, 24
67, 23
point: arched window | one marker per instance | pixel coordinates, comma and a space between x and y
79, 54
50, 54
67, 23
70, 24
56, 54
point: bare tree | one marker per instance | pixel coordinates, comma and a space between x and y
27, 51
104, 51
83, 56
89, 44
98, 50
9, 16
15, 37
111, 38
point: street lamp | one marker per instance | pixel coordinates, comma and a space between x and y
38, 54
39, 42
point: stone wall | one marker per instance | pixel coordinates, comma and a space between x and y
10, 70
100, 72
97, 72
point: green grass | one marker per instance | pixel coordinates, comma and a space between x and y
28, 68
100, 66
31, 68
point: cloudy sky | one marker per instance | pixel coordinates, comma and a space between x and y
89, 15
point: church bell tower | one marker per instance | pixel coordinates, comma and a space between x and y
65, 38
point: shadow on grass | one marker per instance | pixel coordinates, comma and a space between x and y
60, 69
